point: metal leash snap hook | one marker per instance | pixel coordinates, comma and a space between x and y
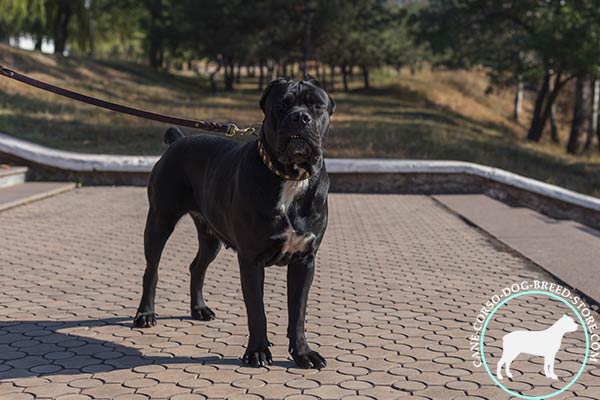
233, 130
5, 71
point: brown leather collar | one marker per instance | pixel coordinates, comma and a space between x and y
264, 156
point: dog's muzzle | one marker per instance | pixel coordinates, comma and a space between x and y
298, 150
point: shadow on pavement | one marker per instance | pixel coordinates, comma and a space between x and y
41, 348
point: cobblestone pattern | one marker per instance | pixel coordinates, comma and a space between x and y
399, 283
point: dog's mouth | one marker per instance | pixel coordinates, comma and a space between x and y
299, 151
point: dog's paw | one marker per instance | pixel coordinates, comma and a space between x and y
203, 314
257, 358
309, 359
144, 319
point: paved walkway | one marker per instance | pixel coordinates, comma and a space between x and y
567, 249
400, 281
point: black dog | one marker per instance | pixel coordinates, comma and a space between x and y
266, 199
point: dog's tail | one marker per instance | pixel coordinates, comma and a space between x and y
172, 134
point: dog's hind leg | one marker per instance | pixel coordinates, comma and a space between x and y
159, 227
208, 248
507, 367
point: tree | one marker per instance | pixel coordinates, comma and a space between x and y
579, 113
352, 33
120, 28
67, 19
558, 41
22, 17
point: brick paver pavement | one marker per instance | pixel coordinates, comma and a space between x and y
400, 281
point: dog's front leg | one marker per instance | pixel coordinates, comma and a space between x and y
253, 277
549, 360
300, 275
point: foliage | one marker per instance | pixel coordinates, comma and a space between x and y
545, 45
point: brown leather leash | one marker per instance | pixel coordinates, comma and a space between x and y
211, 126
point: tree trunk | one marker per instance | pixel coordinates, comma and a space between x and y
155, 51
211, 77
271, 70
238, 73
548, 109
261, 77
345, 76
578, 121
536, 127
61, 27
91, 32
38, 43
593, 114
598, 132
597, 115
228, 76
553, 128
332, 77
518, 99
306, 49
251, 71
365, 71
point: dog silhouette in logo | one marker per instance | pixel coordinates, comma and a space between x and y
539, 343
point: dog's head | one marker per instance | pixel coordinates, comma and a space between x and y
567, 323
296, 121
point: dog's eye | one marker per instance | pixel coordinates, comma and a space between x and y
319, 106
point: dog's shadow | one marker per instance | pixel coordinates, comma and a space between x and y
39, 348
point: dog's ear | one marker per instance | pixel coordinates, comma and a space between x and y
314, 81
317, 83
331, 105
268, 89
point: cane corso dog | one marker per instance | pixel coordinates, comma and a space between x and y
266, 199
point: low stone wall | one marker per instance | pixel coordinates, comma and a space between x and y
41, 172
405, 183
347, 175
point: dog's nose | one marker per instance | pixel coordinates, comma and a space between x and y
302, 117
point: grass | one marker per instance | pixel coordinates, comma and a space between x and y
429, 115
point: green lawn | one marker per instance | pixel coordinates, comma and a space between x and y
442, 115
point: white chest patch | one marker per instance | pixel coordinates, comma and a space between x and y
289, 191
295, 242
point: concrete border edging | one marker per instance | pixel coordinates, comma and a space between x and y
370, 166
72, 161
347, 175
